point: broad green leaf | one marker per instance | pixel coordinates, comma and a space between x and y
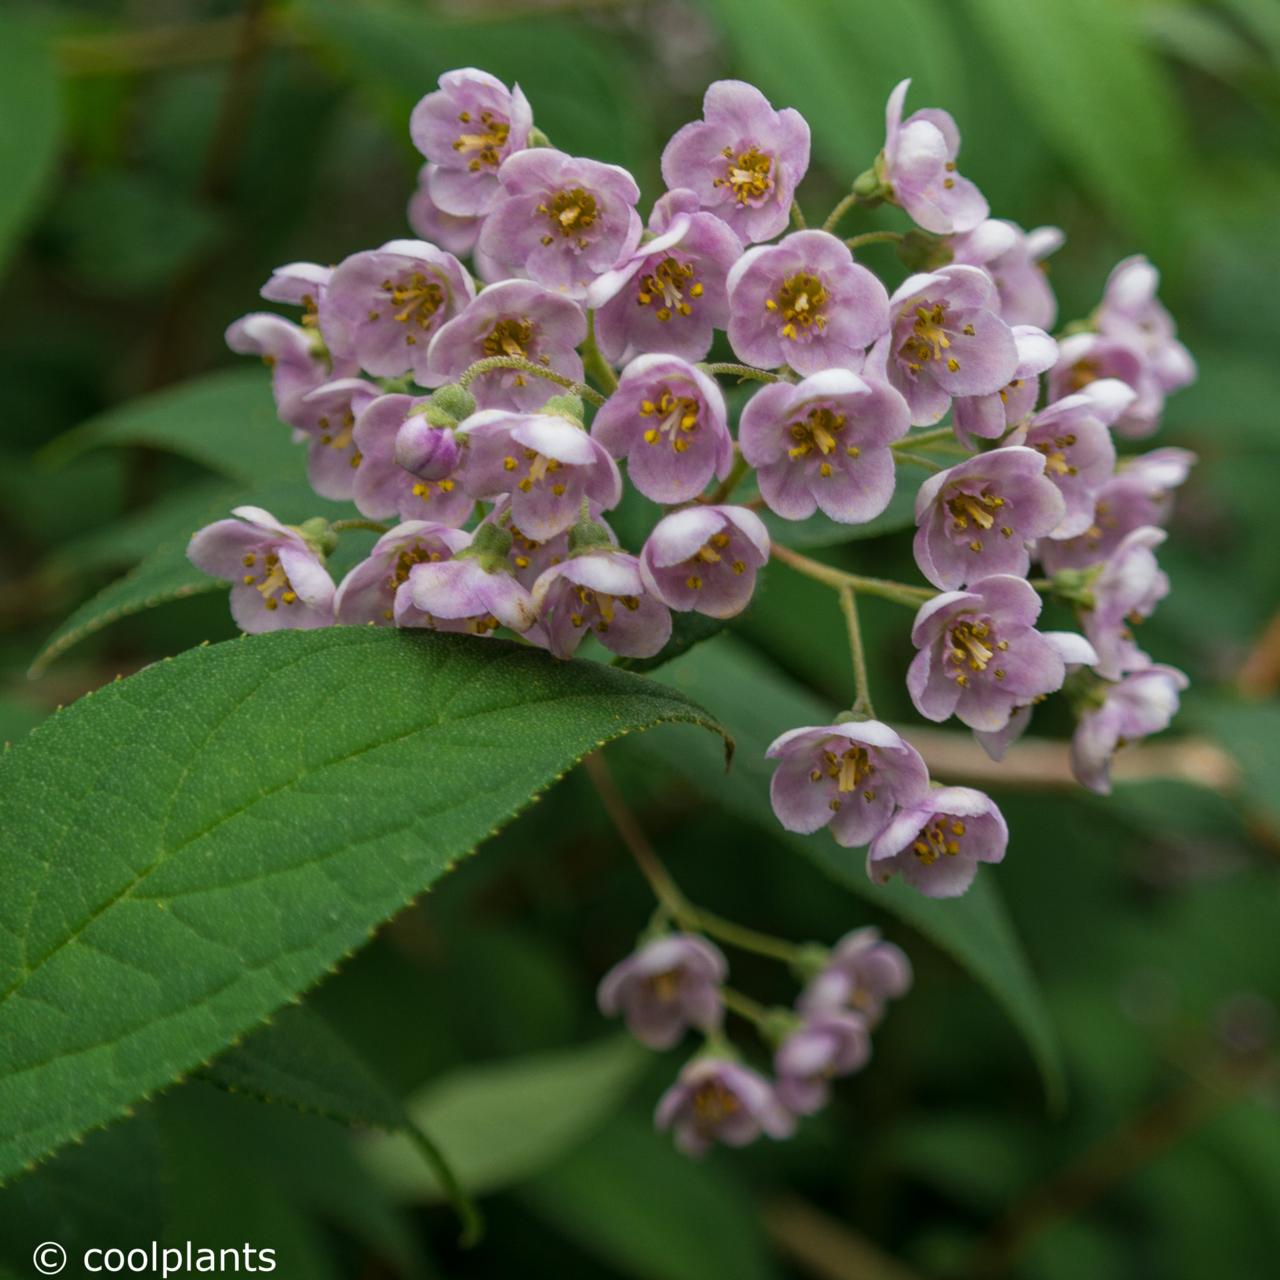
185, 850
1252, 734
299, 1061
225, 421
1101, 100
30, 123
974, 930
506, 1121
628, 1196
166, 574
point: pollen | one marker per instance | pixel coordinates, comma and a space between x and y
802, 302
748, 175
667, 287
570, 213
677, 419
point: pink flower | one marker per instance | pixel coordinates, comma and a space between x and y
705, 558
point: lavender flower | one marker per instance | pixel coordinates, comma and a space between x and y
1014, 259
1083, 358
946, 339
827, 1044
299, 284
277, 572
743, 158
804, 302
705, 558
936, 844
514, 318
824, 443
715, 1100
980, 656
670, 294
368, 593
529, 557
976, 518
561, 220
1136, 706
600, 591
426, 451
547, 464
1125, 591
466, 129
669, 984
429, 222
668, 419
849, 777
296, 358
989, 417
326, 417
918, 166
384, 306
383, 488
862, 974
473, 593
1131, 312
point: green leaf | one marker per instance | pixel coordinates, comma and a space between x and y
166, 574
633, 1200
1101, 100
974, 930
30, 124
506, 1121
185, 850
226, 421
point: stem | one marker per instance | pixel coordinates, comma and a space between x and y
489, 363
861, 685
374, 526
743, 371
843, 207
743, 1005
898, 592
797, 216
916, 460
874, 237
725, 488
463, 1205
924, 437
1041, 584
668, 893
594, 363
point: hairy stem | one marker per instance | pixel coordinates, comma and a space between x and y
916, 460
924, 437
843, 207
898, 592
594, 363
797, 216
724, 490
874, 237
489, 363
374, 526
857, 652
743, 371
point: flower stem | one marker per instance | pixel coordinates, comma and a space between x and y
724, 490
874, 237
857, 652
898, 592
743, 1005
743, 371
843, 207
594, 363
374, 526
797, 216
489, 363
924, 437
916, 460
665, 889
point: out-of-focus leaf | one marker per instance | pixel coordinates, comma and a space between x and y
1252, 734
166, 574
506, 1121
756, 704
185, 850
226, 421
30, 122
629, 1197
1100, 99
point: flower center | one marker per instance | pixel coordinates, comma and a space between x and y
416, 300
973, 647
941, 837
666, 985
274, 585
509, 337
487, 144
676, 419
666, 287
570, 213
713, 1103
709, 554
1055, 456
537, 467
821, 431
849, 768
748, 174
975, 512
424, 489
801, 302
340, 438
928, 339
1082, 373
603, 605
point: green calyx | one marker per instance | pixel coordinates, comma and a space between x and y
870, 186
537, 138
565, 406
489, 545
853, 716
1084, 692
920, 251
810, 961
1076, 585
447, 406
589, 536
318, 534
777, 1024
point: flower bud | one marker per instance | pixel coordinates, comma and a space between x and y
318, 534
565, 406
429, 452
454, 400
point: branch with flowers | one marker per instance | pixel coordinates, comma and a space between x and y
479, 417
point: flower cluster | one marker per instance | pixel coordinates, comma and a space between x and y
676, 981
485, 419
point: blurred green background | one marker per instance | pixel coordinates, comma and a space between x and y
159, 157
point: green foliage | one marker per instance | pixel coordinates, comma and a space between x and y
183, 853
